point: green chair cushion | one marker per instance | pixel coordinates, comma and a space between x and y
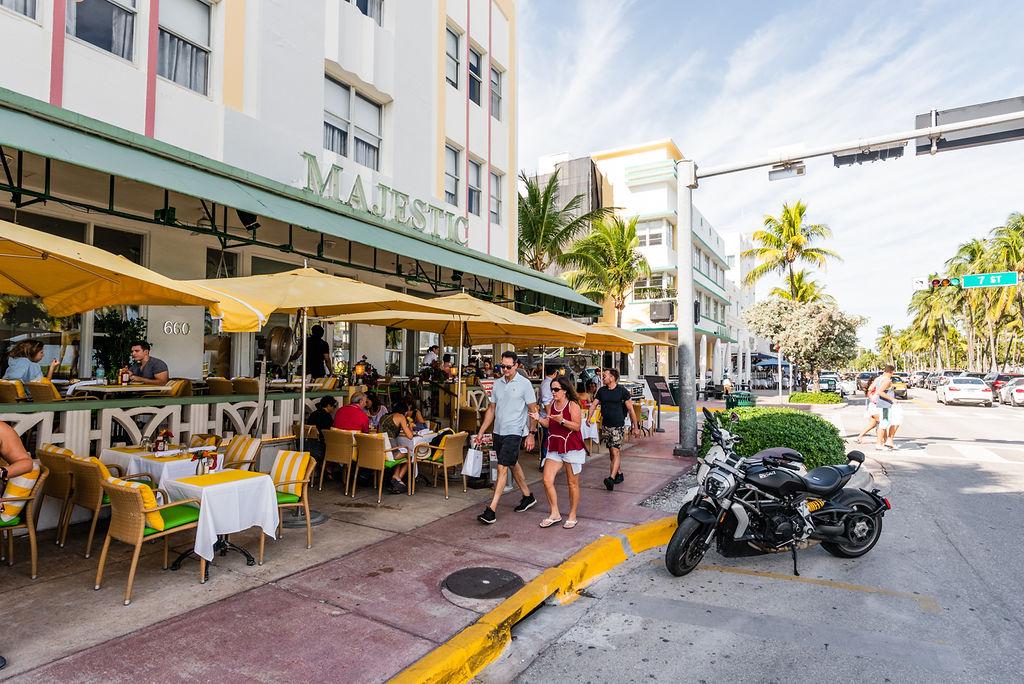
12, 522
175, 516
286, 498
392, 464
106, 499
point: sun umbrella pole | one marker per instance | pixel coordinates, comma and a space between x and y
458, 384
302, 400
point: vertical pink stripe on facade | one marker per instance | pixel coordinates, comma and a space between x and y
151, 59
490, 51
469, 78
57, 53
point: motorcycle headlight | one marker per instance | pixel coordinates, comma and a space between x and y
718, 485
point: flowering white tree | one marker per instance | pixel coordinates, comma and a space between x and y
814, 335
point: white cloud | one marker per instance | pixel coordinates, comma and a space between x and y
802, 76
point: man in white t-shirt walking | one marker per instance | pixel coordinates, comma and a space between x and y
512, 402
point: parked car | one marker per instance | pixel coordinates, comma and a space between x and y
1012, 392
899, 386
932, 380
964, 390
864, 381
998, 380
917, 378
980, 376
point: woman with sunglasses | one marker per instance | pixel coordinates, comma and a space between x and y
565, 450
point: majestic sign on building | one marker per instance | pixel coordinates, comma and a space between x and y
385, 202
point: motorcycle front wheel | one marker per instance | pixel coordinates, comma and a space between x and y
686, 548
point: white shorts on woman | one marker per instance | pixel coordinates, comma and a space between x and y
575, 458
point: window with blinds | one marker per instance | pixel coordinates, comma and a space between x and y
183, 53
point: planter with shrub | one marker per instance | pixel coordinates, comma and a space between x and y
815, 398
761, 428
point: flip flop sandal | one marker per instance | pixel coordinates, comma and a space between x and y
548, 522
569, 524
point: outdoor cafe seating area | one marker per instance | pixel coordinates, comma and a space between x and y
193, 463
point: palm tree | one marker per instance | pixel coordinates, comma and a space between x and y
546, 231
887, 343
932, 312
1008, 255
606, 263
804, 290
785, 240
978, 305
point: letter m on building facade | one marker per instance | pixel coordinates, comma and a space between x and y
315, 182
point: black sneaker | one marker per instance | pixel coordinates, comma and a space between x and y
396, 487
618, 478
609, 483
526, 503
487, 517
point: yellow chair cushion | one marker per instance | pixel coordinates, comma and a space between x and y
19, 486
240, 448
104, 471
153, 518
290, 465
54, 449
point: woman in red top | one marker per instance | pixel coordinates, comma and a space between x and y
565, 449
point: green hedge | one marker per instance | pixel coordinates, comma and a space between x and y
764, 427
815, 398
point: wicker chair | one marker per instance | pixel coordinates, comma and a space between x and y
448, 454
179, 388
245, 385
59, 483
339, 447
372, 454
87, 492
300, 500
12, 391
128, 525
26, 521
204, 439
242, 452
43, 392
219, 387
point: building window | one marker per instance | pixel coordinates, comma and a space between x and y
474, 182
649, 233
475, 75
184, 51
107, 24
26, 7
394, 341
451, 69
496, 93
366, 116
451, 175
496, 198
337, 104
346, 110
371, 8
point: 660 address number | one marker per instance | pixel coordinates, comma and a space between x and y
176, 328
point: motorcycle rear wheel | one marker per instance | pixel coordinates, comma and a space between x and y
863, 531
686, 548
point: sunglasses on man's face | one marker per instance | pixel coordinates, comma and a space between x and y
507, 367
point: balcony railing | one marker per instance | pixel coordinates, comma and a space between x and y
651, 294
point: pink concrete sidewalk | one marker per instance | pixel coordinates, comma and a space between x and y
366, 615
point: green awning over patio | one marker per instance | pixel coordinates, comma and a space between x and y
51, 132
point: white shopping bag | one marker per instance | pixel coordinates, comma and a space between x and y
473, 463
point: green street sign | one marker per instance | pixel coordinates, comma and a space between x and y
1005, 279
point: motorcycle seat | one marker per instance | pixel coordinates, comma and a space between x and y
826, 479
781, 453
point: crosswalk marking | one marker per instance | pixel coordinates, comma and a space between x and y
975, 452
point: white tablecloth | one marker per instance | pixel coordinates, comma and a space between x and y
162, 469
229, 507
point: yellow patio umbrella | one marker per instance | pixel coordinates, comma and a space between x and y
71, 277
596, 338
247, 302
637, 338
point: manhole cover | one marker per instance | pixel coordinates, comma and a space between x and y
483, 583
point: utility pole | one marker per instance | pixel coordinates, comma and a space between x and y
686, 181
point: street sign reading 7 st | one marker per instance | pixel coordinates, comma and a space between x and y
989, 279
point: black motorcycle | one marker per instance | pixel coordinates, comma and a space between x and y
761, 504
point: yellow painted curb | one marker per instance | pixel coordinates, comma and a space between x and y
467, 653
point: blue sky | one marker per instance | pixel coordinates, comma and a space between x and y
731, 81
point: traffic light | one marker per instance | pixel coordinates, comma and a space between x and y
945, 282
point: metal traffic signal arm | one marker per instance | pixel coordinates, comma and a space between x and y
687, 176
